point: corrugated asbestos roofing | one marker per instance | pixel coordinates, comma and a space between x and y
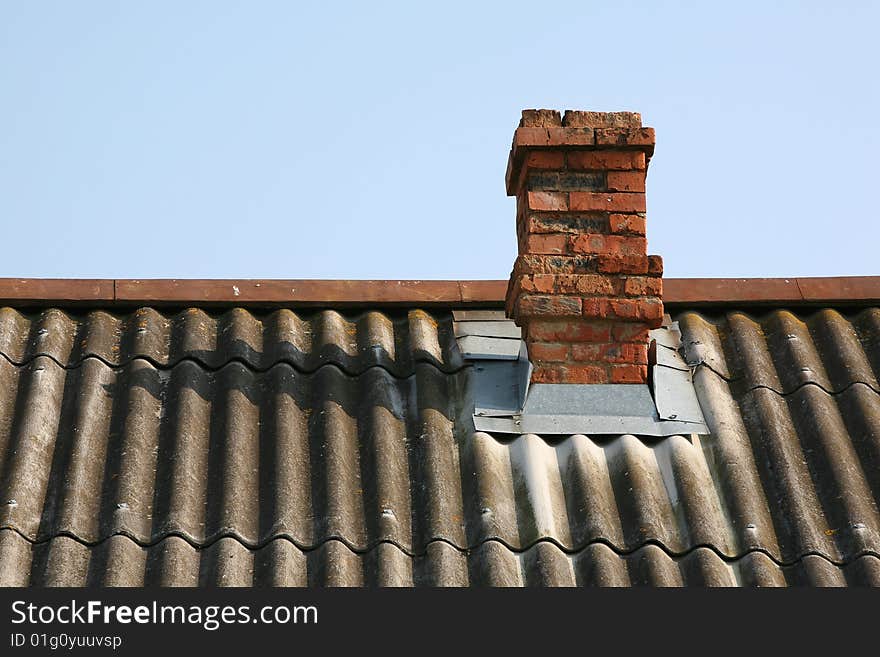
316, 448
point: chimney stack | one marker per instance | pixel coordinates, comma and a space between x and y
583, 288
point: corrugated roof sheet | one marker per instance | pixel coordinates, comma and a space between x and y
325, 449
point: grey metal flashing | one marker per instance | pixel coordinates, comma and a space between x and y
505, 403
590, 409
476, 347
501, 368
480, 316
493, 329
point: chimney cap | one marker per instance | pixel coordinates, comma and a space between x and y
551, 130
550, 118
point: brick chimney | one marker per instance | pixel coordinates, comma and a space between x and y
583, 288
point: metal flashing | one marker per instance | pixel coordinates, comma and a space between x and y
475, 347
505, 403
501, 368
589, 409
487, 329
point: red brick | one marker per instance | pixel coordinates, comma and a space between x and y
629, 373
553, 201
651, 312
545, 244
629, 332
544, 351
615, 264
529, 305
547, 374
570, 136
626, 181
540, 118
594, 285
635, 353
590, 243
545, 160
627, 352
647, 310
601, 201
529, 136
541, 283
596, 308
586, 374
589, 284
579, 118
627, 223
568, 331
625, 308
588, 351
609, 245
555, 222
526, 263
606, 160
625, 137
643, 286
562, 373
655, 265
569, 374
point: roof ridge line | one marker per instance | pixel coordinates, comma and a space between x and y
409, 292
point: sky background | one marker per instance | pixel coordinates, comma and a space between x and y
369, 140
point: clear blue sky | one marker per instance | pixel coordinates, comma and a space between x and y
310, 140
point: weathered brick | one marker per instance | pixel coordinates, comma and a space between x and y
628, 373
643, 286
548, 351
622, 264
635, 353
563, 264
548, 201
583, 289
605, 160
566, 181
582, 119
559, 373
629, 332
651, 311
625, 137
570, 137
567, 223
608, 245
589, 243
626, 352
588, 351
626, 181
544, 160
606, 201
540, 283
586, 374
568, 284
571, 330
537, 137
547, 374
625, 309
550, 243
540, 118
591, 284
547, 305
596, 307
627, 223
647, 310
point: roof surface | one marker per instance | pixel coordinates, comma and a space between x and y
317, 447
